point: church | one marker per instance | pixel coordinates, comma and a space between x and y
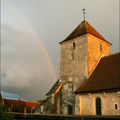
89, 75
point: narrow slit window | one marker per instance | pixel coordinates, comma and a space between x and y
100, 48
73, 53
73, 46
116, 106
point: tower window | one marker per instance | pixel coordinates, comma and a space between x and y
116, 106
73, 45
73, 54
100, 48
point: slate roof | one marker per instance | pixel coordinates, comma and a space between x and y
83, 28
54, 87
106, 76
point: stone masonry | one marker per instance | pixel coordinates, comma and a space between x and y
79, 57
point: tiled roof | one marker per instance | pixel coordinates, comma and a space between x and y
83, 28
13, 103
10, 103
32, 104
105, 77
54, 87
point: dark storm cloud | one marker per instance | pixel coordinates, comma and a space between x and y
23, 65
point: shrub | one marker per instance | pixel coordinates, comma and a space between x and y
3, 114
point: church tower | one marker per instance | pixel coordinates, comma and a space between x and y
80, 53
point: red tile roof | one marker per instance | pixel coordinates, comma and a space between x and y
21, 105
106, 76
14, 103
32, 105
83, 28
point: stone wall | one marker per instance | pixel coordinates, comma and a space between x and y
61, 117
48, 106
52, 105
108, 102
79, 58
97, 48
77, 104
73, 68
58, 102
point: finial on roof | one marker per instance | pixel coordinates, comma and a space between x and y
84, 13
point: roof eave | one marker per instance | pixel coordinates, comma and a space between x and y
97, 91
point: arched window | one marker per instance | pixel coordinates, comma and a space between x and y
98, 106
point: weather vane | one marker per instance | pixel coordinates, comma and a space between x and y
84, 13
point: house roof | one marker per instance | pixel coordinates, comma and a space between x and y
32, 104
83, 28
105, 77
29, 104
54, 87
10, 103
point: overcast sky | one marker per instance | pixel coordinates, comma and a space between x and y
31, 31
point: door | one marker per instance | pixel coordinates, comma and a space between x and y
70, 109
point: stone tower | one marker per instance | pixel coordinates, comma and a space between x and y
80, 53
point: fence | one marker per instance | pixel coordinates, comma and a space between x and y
61, 117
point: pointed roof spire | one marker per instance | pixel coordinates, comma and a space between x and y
83, 28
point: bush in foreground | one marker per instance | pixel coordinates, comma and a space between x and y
3, 114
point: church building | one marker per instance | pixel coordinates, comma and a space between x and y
81, 51
90, 75
99, 94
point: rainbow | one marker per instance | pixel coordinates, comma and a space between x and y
44, 50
